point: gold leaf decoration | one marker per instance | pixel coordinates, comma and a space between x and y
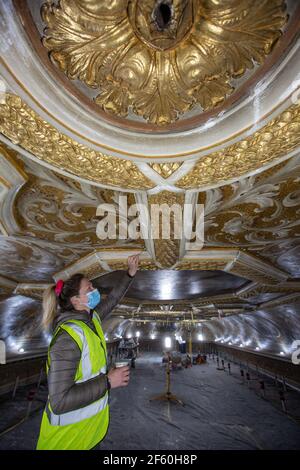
116, 265
24, 127
254, 275
257, 211
160, 64
202, 265
278, 138
167, 250
53, 214
165, 169
56, 209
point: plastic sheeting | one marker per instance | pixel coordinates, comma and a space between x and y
219, 412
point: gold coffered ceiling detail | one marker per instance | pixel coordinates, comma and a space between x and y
160, 58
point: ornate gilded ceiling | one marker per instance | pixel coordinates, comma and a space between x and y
161, 101
243, 221
253, 41
160, 58
279, 138
22, 126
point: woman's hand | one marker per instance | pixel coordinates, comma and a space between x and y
119, 377
133, 263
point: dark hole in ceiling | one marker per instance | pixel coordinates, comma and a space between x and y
163, 16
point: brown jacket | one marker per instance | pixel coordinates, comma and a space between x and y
64, 394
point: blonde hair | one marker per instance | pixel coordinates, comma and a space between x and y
49, 307
51, 302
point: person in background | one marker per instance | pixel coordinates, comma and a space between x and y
77, 411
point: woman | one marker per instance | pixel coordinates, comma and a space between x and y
77, 412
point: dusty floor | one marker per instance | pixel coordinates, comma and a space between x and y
220, 412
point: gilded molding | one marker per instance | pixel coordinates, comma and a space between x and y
165, 169
93, 271
235, 262
104, 260
203, 265
167, 250
283, 300
30, 290
275, 140
24, 127
243, 270
116, 265
288, 287
231, 261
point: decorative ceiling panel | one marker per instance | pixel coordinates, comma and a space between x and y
26, 260
160, 59
25, 128
276, 140
55, 208
259, 214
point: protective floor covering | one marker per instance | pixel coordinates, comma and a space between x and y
219, 413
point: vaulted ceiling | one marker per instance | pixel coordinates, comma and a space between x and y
161, 102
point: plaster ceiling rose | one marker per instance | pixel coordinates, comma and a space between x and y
156, 60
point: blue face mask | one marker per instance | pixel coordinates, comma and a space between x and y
94, 298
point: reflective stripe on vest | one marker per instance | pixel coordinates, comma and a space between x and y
79, 331
77, 415
85, 355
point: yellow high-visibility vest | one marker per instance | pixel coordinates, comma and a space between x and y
80, 429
